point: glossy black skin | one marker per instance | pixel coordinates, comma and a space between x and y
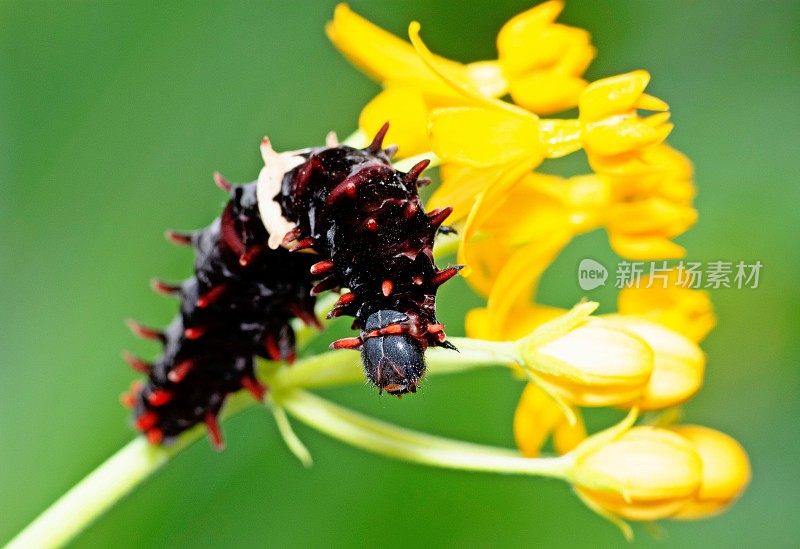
257, 303
398, 250
394, 363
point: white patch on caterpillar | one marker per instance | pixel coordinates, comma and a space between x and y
269, 185
331, 140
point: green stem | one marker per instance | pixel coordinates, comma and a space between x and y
92, 496
138, 460
386, 439
107, 484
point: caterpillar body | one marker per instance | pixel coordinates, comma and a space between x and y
329, 218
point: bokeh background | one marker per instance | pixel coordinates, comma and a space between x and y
113, 116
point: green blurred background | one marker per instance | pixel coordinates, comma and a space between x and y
113, 116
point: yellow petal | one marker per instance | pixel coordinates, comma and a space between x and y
613, 95
378, 53
726, 471
567, 436
617, 136
514, 285
487, 77
390, 59
645, 247
478, 324
460, 188
653, 215
560, 137
509, 216
535, 418
520, 40
474, 84
645, 474
651, 103
678, 368
684, 310
482, 137
546, 92
407, 113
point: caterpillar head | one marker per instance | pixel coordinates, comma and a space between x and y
393, 362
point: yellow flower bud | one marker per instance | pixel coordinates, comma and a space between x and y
726, 471
586, 360
678, 367
645, 474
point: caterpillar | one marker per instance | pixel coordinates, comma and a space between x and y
319, 219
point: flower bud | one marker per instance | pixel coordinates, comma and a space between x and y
678, 367
586, 360
726, 471
644, 474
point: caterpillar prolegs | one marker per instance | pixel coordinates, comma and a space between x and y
329, 218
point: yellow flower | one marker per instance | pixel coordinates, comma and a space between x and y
483, 137
521, 210
645, 474
643, 198
509, 313
684, 310
491, 147
612, 131
585, 360
539, 62
411, 88
652, 204
543, 61
679, 363
513, 221
726, 471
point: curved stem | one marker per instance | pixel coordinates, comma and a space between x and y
386, 439
93, 495
107, 484
138, 460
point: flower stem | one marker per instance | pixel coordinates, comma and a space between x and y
107, 484
383, 438
138, 460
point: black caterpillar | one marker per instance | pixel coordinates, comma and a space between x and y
358, 224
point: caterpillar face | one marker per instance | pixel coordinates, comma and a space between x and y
394, 363
359, 224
